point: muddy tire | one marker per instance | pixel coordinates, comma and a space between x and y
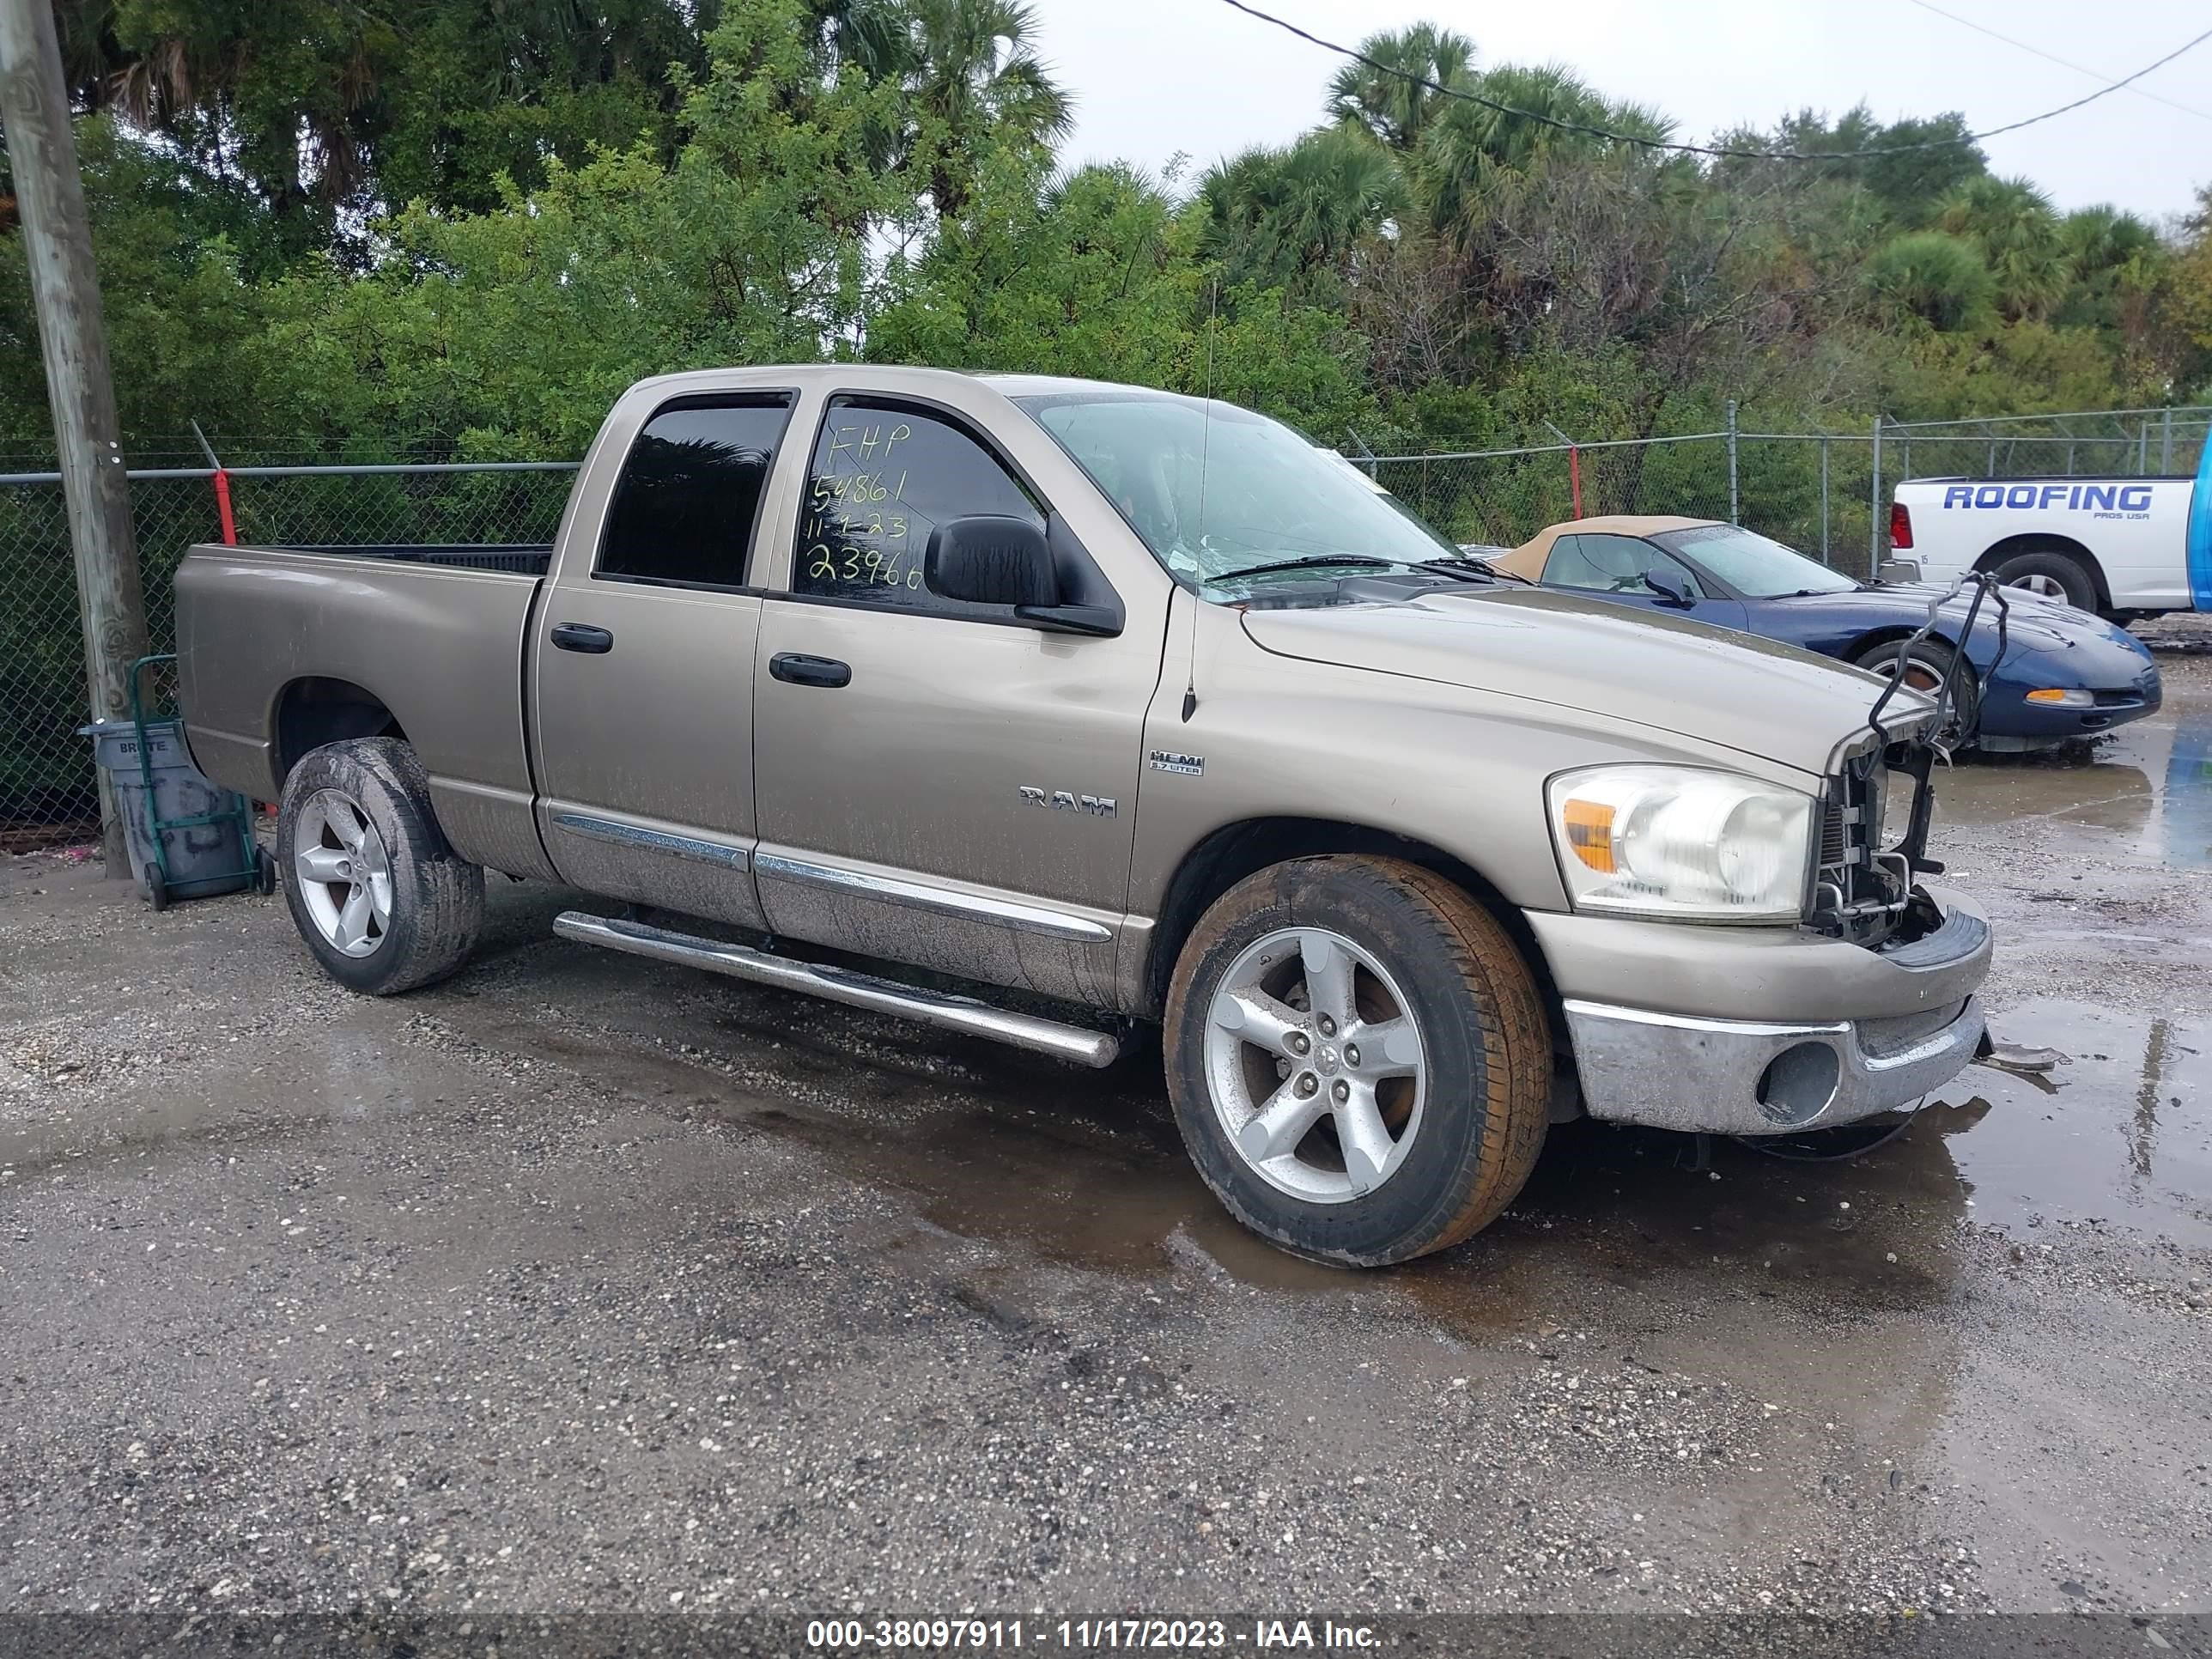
2052, 573
1359, 1059
383, 903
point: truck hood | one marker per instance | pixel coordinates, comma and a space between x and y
1665, 673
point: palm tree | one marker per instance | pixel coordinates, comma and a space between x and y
1467, 146
2101, 239
1391, 106
2114, 262
1937, 278
1277, 216
2013, 224
973, 74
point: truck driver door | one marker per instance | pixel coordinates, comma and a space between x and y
939, 782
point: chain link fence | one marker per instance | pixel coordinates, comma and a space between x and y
1815, 493
47, 791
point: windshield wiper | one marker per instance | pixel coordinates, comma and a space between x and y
1323, 560
1480, 569
1310, 562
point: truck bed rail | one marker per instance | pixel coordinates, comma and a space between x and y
517, 558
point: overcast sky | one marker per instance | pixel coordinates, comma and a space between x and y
1154, 77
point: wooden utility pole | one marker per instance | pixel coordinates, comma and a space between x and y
57, 241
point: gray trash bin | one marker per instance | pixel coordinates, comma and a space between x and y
209, 851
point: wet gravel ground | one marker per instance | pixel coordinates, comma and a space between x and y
580, 1283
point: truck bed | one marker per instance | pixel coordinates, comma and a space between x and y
361, 641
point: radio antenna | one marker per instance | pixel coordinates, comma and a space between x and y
1205, 450
1205, 421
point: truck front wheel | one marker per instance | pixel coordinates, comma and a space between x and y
1359, 1059
383, 903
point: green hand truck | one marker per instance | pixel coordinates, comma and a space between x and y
188, 838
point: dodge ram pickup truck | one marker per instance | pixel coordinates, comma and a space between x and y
1137, 709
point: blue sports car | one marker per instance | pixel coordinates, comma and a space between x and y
2066, 673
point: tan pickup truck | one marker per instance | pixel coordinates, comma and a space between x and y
1138, 708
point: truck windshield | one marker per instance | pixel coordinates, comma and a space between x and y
1753, 566
1211, 496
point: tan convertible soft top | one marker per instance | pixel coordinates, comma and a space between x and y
1528, 559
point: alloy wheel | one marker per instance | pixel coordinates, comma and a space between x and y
1315, 1065
343, 871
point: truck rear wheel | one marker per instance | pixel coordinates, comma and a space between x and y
383, 903
1359, 1059
2054, 574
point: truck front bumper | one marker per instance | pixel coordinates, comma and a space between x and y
1820, 1032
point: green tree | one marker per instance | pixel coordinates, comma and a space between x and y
1467, 147
2018, 234
1934, 279
1907, 167
1097, 275
1385, 102
181, 314
327, 110
974, 79
1280, 217
514, 329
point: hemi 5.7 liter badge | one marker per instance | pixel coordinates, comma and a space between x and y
1190, 766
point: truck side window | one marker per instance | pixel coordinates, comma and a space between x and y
884, 476
689, 493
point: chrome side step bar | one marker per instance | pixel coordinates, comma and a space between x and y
856, 990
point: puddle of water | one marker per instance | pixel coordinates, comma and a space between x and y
1057, 1178
1087, 1175
1058, 1189
2150, 782
2121, 1133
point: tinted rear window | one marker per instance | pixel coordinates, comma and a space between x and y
689, 498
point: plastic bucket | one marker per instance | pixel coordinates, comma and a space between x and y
205, 858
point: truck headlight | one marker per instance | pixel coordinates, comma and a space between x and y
1680, 842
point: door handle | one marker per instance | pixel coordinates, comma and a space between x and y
582, 636
795, 669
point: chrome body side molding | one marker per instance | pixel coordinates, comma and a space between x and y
655, 840
943, 901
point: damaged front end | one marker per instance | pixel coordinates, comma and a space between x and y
1865, 883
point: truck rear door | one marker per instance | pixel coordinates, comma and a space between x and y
642, 693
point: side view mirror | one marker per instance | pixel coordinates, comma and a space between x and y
993, 559
990, 559
1670, 587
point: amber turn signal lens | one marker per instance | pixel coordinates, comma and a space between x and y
1589, 832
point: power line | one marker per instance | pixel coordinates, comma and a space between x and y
2053, 57
1718, 150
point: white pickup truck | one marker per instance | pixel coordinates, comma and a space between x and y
2128, 547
